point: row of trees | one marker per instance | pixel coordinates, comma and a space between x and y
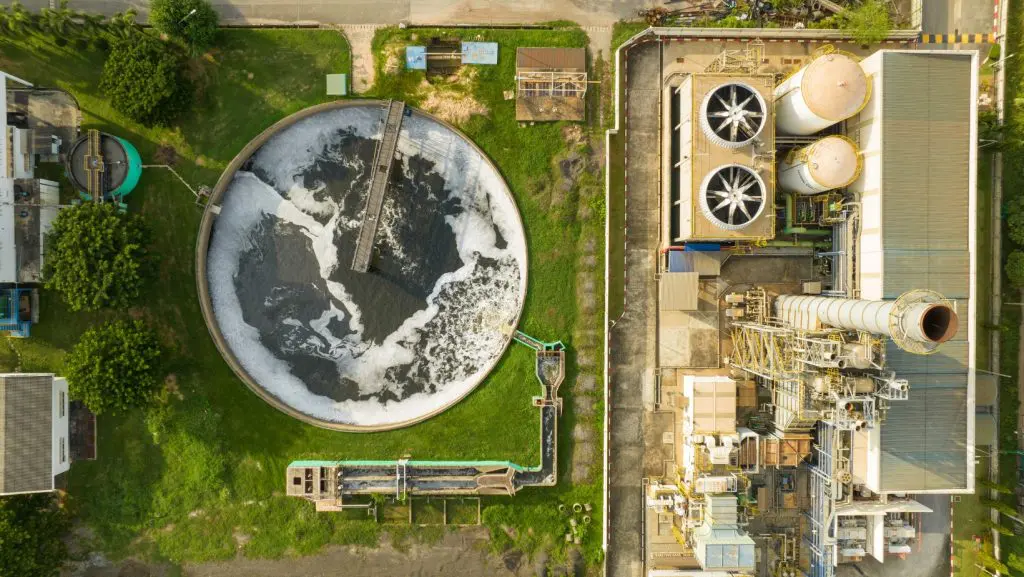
98, 259
192, 22
144, 75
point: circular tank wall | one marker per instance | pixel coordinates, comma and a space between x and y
122, 165
349, 350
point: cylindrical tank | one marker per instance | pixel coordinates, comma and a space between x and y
829, 163
856, 356
908, 318
101, 163
832, 88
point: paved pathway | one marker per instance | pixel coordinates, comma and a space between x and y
633, 353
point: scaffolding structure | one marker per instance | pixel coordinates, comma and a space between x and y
551, 83
829, 375
747, 60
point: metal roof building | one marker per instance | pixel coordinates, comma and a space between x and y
33, 432
918, 208
551, 84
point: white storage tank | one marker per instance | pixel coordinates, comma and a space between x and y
830, 89
828, 164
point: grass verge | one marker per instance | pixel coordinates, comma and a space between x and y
198, 477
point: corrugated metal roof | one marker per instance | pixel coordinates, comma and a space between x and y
26, 415
945, 271
571, 59
925, 192
924, 440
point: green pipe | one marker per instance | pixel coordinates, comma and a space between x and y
790, 229
801, 243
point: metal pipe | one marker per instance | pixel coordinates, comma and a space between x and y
919, 317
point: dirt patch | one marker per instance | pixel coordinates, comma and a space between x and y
241, 539
583, 406
583, 456
392, 59
586, 383
452, 99
461, 553
171, 387
165, 154
573, 135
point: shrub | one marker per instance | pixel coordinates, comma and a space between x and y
32, 528
868, 23
114, 367
1015, 219
176, 18
1015, 269
96, 257
144, 79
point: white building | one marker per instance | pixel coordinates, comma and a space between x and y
34, 432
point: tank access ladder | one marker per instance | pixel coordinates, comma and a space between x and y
380, 176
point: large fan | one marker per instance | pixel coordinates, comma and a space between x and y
732, 196
732, 115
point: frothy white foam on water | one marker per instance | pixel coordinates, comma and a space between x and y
454, 339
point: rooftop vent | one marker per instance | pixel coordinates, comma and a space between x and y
733, 115
732, 196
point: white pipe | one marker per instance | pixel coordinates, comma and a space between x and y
922, 321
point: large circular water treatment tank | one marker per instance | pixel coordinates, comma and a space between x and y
349, 350
832, 88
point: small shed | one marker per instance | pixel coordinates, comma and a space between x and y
551, 84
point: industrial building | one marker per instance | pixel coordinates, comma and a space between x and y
551, 84
41, 433
36, 125
815, 309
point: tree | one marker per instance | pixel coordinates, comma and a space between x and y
57, 21
16, 19
96, 257
997, 487
1001, 506
123, 24
997, 527
114, 367
989, 562
31, 531
1015, 269
1014, 211
192, 21
1016, 563
868, 23
144, 79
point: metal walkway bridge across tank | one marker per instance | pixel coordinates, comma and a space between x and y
380, 176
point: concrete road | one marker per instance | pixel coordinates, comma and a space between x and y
931, 559
586, 12
957, 16
633, 338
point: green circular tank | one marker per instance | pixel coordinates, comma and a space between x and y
101, 162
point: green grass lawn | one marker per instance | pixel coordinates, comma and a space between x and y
201, 475
1013, 184
558, 223
967, 522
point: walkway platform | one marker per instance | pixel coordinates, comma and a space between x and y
379, 180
